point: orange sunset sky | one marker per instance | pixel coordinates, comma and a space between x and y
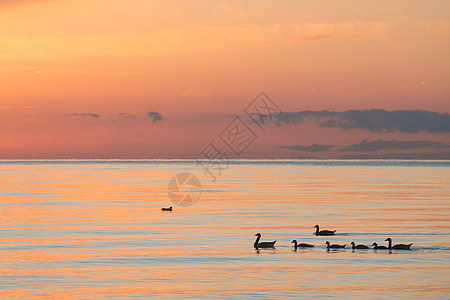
78, 78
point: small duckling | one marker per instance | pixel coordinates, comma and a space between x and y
358, 246
301, 245
334, 246
376, 247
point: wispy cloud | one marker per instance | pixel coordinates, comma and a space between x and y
90, 115
377, 145
310, 148
168, 27
196, 95
191, 38
425, 155
125, 115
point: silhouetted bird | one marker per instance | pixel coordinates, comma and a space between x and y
301, 245
257, 244
323, 232
376, 247
334, 246
398, 246
166, 208
358, 246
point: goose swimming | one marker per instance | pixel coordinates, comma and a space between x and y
257, 244
376, 247
323, 232
166, 208
301, 245
334, 246
398, 246
358, 246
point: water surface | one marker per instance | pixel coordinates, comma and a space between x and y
94, 230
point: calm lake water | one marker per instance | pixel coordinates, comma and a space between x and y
95, 230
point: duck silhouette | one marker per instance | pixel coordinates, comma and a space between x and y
301, 245
398, 246
358, 246
258, 245
323, 232
376, 247
334, 246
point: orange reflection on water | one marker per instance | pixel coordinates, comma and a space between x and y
100, 232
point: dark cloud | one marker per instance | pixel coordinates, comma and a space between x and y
377, 145
427, 155
85, 115
310, 148
375, 120
155, 116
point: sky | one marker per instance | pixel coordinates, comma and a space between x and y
164, 79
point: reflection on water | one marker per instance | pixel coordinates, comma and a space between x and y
94, 229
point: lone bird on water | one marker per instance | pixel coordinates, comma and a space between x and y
398, 246
323, 232
258, 245
166, 208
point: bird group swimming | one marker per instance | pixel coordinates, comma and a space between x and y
271, 245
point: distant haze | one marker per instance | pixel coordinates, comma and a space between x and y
152, 79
